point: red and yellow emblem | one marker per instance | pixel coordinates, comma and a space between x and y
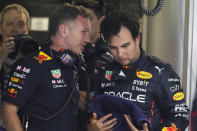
42, 57
172, 128
11, 92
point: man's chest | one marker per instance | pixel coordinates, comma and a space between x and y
133, 85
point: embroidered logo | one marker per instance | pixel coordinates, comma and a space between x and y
42, 57
14, 79
144, 75
12, 93
56, 73
108, 75
178, 96
122, 74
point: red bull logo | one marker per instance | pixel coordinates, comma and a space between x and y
172, 128
42, 57
12, 93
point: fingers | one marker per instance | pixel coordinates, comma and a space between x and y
130, 124
145, 127
109, 124
94, 116
8, 43
100, 125
105, 117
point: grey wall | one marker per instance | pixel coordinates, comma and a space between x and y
163, 34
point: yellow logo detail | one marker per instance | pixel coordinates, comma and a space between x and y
12, 90
14, 79
42, 57
143, 75
173, 128
178, 96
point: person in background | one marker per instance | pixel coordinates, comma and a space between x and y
44, 83
151, 84
194, 114
94, 51
14, 19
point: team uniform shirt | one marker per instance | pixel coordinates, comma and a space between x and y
194, 114
41, 85
5, 72
151, 85
91, 54
4, 77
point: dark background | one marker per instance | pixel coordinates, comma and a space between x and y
43, 8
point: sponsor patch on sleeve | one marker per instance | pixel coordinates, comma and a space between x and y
11, 92
178, 96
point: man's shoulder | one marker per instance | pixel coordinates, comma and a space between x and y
156, 64
104, 60
37, 58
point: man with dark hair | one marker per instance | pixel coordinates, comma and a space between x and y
94, 51
45, 83
146, 81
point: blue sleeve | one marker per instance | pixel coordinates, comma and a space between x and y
23, 81
171, 100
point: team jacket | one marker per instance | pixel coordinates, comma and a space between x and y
194, 114
41, 85
151, 85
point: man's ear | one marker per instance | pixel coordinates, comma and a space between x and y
137, 40
63, 29
28, 27
0, 29
101, 19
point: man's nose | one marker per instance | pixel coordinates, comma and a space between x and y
87, 38
120, 52
15, 29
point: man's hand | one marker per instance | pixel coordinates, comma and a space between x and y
81, 104
8, 45
101, 124
131, 125
10, 117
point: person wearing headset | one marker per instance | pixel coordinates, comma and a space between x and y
146, 81
45, 83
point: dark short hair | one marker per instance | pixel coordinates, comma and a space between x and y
63, 14
113, 22
98, 10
